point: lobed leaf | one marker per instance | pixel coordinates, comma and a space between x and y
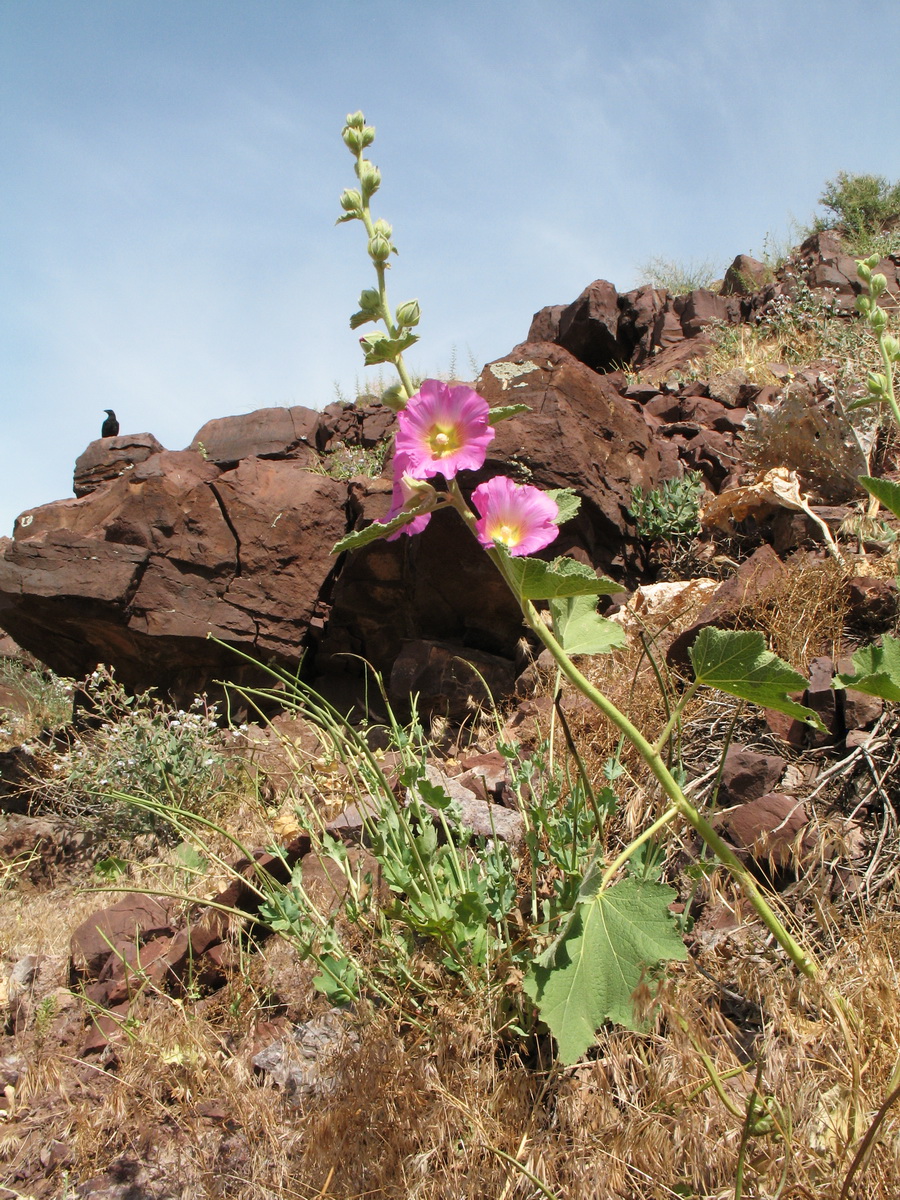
737, 662
535, 579
590, 974
580, 629
885, 491
877, 670
568, 502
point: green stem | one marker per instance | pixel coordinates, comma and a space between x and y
889, 376
386, 314
651, 756
622, 858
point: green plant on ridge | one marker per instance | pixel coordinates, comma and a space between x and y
670, 512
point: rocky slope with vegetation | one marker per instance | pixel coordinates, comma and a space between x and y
288, 988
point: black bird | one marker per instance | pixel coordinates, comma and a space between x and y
110, 426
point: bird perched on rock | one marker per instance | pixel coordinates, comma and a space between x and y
110, 426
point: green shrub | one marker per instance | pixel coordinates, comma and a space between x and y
862, 207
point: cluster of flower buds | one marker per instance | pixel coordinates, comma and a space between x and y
383, 346
879, 384
877, 286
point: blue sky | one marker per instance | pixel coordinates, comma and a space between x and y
172, 169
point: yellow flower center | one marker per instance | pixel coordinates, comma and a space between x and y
509, 535
442, 441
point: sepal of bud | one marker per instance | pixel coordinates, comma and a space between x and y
394, 397
379, 249
876, 385
369, 177
877, 286
351, 200
408, 314
352, 139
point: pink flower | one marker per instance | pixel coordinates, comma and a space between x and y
408, 493
519, 516
443, 430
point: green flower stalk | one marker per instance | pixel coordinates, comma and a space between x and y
383, 346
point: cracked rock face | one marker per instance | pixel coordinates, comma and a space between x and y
140, 568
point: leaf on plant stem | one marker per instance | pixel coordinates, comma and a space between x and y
567, 501
504, 411
379, 348
738, 663
877, 670
371, 533
580, 629
363, 318
885, 491
535, 579
591, 972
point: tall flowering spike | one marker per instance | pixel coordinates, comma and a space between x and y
443, 430
519, 516
409, 493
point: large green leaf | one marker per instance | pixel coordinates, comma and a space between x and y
535, 579
589, 975
885, 491
580, 629
738, 663
877, 670
567, 501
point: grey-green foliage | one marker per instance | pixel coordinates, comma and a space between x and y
678, 278
46, 697
139, 746
860, 205
670, 512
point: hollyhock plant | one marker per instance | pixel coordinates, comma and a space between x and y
443, 430
518, 516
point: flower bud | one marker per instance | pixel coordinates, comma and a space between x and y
367, 134
379, 248
891, 347
877, 286
351, 200
352, 139
369, 300
369, 177
356, 120
863, 305
408, 314
876, 384
394, 397
877, 319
